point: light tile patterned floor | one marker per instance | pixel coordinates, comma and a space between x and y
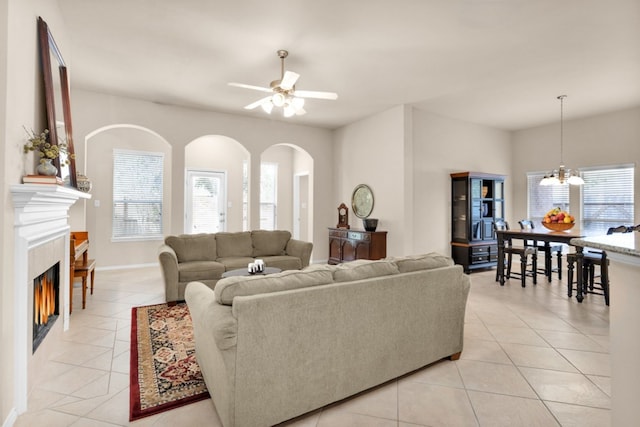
532, 357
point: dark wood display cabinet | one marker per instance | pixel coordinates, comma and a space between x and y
477, 199
348, 245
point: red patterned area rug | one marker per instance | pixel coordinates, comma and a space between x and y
164, 373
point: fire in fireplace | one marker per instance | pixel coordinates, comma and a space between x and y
46, 288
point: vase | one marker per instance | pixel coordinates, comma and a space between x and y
370, 224
83, 183
45, 167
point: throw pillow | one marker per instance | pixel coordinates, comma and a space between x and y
234, 244
269, 243
422, 262
193, 247
229, 288
363, 269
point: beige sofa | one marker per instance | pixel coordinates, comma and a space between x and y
204, 257
274, 347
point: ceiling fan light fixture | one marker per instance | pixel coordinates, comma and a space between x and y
267, 106
288, 110
297, 103
278, 99
283, 93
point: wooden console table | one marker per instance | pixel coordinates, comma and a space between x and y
349, 245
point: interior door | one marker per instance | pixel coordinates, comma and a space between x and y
206, 207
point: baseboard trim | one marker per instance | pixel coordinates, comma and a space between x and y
126, 267
11, 418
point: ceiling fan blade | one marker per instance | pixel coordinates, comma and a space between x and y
244, 86
289, 79
257, 103
315, 94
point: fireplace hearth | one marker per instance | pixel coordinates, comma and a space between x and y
46, 305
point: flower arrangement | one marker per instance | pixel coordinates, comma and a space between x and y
45, 149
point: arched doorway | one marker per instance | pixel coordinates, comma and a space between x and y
290, 169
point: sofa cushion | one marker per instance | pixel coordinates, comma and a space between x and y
422, 262
233, 263
283, 262
234, 244
363, 269
199, 270
193, 247
266, 242
231, 287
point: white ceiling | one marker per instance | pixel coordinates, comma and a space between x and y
500, 63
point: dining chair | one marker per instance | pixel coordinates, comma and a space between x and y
548, 250
593, 258
524, 252
85, 270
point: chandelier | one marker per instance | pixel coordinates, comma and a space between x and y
562, 175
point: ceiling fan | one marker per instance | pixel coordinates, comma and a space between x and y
283, 93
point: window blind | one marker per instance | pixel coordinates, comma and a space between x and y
607, 197
137, 194
542, 198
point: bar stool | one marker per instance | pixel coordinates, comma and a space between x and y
523, 252
548, 250
590, 261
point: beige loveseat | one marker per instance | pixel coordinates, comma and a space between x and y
204, 257
275, 347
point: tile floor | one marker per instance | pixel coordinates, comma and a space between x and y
532, 357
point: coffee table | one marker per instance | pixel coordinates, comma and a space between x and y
245, 272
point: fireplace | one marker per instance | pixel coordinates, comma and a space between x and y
41, 240
46, 305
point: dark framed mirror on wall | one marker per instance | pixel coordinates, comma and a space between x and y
58, 103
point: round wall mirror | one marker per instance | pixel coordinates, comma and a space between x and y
362, 201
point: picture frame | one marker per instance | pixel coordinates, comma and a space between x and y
57, 100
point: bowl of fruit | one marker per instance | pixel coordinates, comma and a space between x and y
558, 220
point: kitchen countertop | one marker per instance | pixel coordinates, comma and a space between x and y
622, 243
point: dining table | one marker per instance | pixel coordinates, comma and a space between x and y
542, 235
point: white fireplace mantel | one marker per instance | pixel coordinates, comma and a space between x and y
41, 215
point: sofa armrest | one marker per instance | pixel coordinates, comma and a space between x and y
300, 249
169, 267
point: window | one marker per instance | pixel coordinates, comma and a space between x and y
268, 195
542, 198
607, 198
137, 195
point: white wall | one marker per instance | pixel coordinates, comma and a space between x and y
406, 156
606, 139
371, 151
179, 126
22, 98
98, 218
442, 146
